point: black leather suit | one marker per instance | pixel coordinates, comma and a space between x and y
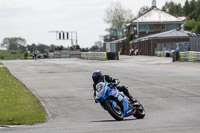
108, 79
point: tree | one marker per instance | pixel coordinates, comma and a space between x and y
143, 10
42, 48
197, 28
94, 48
186, 8
192, 5
52, 48
173, 8
75, 47
21, 49
178, 10
127, 43
190, 9
84, 49
193, 15
99, 44
32, 47
13, 43
116, 15
25, 55
198, 5
189, 25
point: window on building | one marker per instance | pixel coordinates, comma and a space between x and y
151, 27
113, 32
163, 27
172, 26
167, 27
146, 28
143, 28
117, 32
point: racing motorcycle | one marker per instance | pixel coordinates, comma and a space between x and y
117, 103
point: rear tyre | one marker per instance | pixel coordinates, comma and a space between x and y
117, 114
140, 112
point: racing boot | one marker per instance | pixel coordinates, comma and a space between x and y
131, 99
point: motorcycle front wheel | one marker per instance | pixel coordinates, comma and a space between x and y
116, 113
140, 112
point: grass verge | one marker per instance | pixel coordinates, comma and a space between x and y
17, 104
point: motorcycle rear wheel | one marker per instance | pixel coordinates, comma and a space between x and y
117, 114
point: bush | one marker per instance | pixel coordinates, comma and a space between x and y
25, 55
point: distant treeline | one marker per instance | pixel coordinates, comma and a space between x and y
191, 10
20, 46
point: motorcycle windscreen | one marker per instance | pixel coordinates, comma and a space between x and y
101, 92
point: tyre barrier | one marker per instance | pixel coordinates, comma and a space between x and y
100, 55
65, 54
85, 55
189, 56
113, 55
50, 55
94, 56
75, 53
197, 56
159, 53
57, 54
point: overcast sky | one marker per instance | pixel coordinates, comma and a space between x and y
33, 19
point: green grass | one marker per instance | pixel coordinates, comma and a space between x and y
17, 104
10, 55
1, 63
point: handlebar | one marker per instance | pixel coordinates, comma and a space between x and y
117, 81
114, 84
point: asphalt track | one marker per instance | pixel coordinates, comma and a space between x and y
170, 93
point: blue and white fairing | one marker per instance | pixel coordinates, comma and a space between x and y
105, 91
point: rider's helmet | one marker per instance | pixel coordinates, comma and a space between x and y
97, 76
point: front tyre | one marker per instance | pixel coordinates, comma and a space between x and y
116, 113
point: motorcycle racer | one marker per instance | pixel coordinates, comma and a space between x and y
97, 77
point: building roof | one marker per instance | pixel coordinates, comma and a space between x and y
182, 18
162, 35
119, 40
156, 15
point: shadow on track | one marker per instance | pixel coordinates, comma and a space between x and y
114, 120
